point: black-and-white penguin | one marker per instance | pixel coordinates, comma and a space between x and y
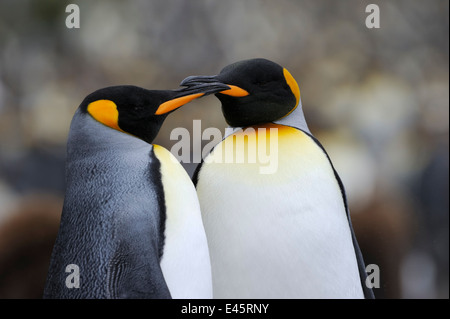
131, 225
278, 226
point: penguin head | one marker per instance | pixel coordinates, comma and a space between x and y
138, 111
260, 91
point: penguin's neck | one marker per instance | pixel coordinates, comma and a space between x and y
88, 137
295, 119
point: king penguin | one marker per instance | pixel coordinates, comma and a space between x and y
282, 231
131, 225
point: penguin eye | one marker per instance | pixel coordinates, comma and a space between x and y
260, 82
263, 82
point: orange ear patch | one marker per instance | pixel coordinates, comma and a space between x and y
105, 111
292, 84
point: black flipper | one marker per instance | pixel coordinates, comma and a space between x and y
196, 173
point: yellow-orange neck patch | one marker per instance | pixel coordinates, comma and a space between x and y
105, 111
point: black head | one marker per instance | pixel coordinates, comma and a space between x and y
260, 91
137, 111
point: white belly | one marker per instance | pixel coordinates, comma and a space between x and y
280, 235
185, 262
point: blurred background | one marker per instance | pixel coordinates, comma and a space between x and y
377, 99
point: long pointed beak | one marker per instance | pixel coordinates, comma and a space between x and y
199, 79
204, 84
212, 84
190, 92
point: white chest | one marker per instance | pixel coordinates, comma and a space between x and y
185, 262
279, 235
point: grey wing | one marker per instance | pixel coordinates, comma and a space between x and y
135, 275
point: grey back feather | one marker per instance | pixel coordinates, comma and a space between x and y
112, 218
